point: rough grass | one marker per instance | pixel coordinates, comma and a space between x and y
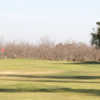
28, 79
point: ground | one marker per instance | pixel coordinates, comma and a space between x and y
28, 79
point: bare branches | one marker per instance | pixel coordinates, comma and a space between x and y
67, 51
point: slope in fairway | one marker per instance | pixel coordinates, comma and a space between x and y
28, 79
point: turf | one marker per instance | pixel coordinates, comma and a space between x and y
28, 79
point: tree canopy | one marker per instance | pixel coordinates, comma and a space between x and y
95, 41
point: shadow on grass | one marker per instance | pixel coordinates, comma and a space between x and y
50, 77
87, 62
52, 81
54, 90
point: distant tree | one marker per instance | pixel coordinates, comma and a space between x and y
95, 41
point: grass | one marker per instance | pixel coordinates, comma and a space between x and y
28, 79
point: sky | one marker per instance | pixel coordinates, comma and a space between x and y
59, 20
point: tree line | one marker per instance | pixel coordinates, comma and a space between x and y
48, 50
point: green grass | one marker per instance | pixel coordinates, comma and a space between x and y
28, 79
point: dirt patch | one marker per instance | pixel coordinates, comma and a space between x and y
29, 73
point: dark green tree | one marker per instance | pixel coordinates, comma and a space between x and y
95, 41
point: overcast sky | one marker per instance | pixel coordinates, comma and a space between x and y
61, 20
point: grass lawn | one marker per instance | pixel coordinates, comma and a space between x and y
27, 79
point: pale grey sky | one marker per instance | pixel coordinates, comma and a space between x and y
61, 20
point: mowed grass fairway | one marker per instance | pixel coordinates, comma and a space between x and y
27, 79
